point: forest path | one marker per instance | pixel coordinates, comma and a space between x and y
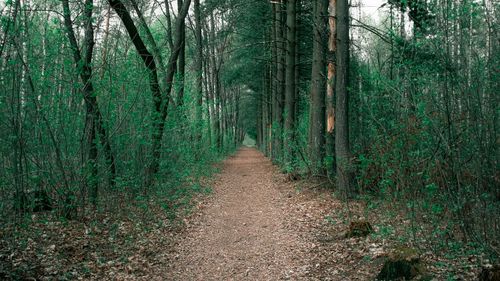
244, 232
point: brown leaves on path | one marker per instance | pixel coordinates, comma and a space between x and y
244, 232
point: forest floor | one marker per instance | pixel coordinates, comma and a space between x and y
247, 231
260, 225
256, 225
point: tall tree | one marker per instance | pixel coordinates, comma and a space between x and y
279, 81
94, 121
290, 87
181, 65
330, 102
342, 149
318, 87
216, 85
160, 101
159, 105
198, 67
155, 50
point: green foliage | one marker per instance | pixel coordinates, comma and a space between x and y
414, 140
423, 115
30, 145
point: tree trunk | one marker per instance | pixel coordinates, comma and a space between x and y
342, 150
208, 98
155, 50
280, 84
94, 122
105, 43
181, 68
198, 69
150, 65
170, 39
216, 87
317, 105
160, 102
330, 102
273, 77
264, 111
290, 82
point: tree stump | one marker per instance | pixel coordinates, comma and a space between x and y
402, 264
490, 273
359, 229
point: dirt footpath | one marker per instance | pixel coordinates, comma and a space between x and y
243, 232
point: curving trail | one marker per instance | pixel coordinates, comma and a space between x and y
244, 232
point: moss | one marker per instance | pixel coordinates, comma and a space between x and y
405, 253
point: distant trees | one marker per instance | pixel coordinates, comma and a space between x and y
324, 84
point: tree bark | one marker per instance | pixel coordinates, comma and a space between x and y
160, 102
330, 102
273, 77
290, 82
170, 39
105, 43
208, 96
181, 68
342, 149
154, 86
279, 43
155, 51
263, 110
216, 86
318, 86
198, 69
94, 121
